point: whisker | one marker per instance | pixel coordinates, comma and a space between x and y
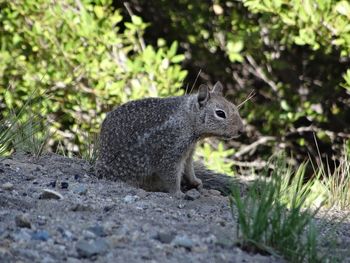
195, 81
250, 96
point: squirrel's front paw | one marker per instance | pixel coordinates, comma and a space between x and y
197, 183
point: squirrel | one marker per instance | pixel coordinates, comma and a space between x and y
150, 143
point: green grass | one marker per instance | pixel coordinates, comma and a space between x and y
334, 184
275, 214
21, 131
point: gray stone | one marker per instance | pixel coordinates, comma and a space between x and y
22, 235
214, 192
87, 249
183, 241
22, 220
131, 199
50, 194
28, 253
41, 235
7, 186
165, 237
82, 208
192, 194
97, 230
80, 190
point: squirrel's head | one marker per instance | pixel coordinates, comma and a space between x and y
216, 116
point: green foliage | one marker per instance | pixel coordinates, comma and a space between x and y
295, 54
84, 58
275, 214
216, 158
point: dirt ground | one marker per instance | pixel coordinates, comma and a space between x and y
53, 209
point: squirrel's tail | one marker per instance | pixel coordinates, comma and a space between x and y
213, 180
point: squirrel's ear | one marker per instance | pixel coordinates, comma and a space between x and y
218, 88
203, 94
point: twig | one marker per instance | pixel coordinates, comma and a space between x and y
314, 129
258, 72
255, 164
140, 38
253, 146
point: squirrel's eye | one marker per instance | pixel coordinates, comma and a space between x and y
220, 114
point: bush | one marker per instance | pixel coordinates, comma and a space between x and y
295, 54
83, 58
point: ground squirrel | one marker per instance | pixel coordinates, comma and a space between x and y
150, 143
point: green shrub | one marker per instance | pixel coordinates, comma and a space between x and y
84, 59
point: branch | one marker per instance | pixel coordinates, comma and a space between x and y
253, 146
258, 72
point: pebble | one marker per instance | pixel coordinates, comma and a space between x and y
22, 235
181, 205
41, 220
97, 230
131, 199
87, 249
80, 190
22, 220
192, 194
50, 194
28, 253
41, 235
183, 241
81, 208
118, 240
165, 237
214, 192
7, 186
52, 184
64, 185
65, 233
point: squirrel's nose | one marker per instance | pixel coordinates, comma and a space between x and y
240, 131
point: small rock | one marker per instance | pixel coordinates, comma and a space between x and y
52, 184
192, 194
2, 170
118, 240
22, 235
22, 220
97, 230
50, 194
141, 193
165, 237
131, 199
28, 254
183, 241
80, 190
181, 205
81, 208
65, 233
41, 235
64, 185
87, 249
41, 220
200, 249
214, 192
7, 186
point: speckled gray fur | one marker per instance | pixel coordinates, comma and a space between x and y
150, 143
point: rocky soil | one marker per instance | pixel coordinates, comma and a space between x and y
53, 209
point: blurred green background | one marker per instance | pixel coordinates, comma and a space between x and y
76, 60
